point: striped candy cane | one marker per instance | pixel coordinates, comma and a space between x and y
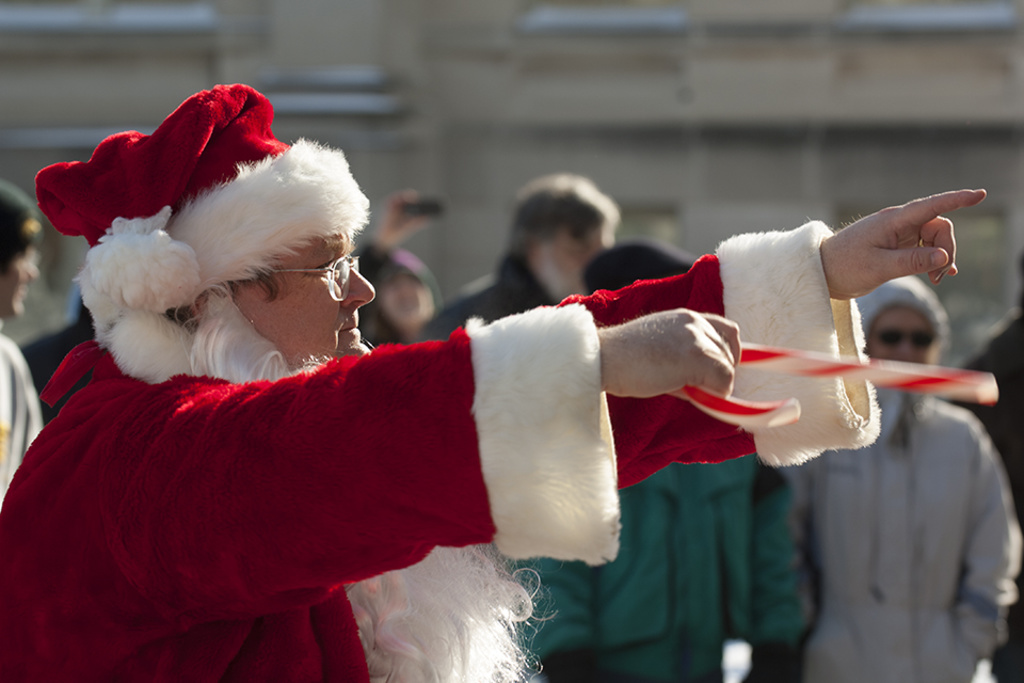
964, 385
744, 413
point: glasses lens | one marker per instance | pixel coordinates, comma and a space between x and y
895, 337
921, 339
335, 281
890, 337
343, 268
342, 276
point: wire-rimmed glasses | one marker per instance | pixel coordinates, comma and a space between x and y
339, 275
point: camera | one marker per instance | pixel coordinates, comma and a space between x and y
423, 207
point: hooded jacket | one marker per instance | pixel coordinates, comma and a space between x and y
910, 546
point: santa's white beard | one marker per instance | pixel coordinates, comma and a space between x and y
226, 345
448, 619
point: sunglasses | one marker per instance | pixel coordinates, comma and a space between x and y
918, 339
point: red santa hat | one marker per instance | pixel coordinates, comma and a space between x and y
210, 197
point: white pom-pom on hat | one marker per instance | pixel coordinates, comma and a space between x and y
138, 265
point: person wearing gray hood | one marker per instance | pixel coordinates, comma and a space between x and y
909, 548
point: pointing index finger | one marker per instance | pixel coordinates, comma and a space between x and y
923, 210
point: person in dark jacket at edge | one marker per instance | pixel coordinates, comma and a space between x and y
44, 355
706, 556
1003, 356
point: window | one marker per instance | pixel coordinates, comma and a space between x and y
898, 3
616, 17
928, 15
606, 3
93, 4
108, 16
660, 224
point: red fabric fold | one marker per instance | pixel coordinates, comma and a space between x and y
79, 361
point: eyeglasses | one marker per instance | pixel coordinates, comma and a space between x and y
339, 275
921, 340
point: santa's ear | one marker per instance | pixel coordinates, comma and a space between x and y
203, 302
199, 305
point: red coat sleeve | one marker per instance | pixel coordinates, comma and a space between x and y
220, 500
651, 433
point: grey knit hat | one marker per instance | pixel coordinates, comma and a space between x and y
910, 292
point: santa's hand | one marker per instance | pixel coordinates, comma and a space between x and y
901, 240
663, 352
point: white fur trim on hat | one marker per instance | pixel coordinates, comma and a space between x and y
545, 435
775, 289
230, 232
272, 208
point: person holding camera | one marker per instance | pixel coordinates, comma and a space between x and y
408, 296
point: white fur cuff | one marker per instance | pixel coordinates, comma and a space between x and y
775, 289
545, 435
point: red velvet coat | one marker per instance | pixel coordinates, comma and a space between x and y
198, 530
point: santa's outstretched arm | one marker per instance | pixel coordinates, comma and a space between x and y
787, 289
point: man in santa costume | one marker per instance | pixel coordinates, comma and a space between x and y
243, 493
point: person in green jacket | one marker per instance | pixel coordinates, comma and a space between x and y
706, 555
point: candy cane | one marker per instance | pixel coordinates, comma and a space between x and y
744, 413
965, 385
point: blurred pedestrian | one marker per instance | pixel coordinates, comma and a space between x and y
1003, 356
20, 418
408, 296
910, 547
561, 222
45, 354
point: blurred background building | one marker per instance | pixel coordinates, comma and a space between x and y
703, 118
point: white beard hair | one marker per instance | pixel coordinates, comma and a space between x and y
451, 618
227, 346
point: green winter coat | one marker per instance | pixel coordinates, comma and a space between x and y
705, 556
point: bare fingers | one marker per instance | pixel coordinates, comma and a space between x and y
662, 352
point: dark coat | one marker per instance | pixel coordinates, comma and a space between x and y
513, 289
44, 356
1004, 358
